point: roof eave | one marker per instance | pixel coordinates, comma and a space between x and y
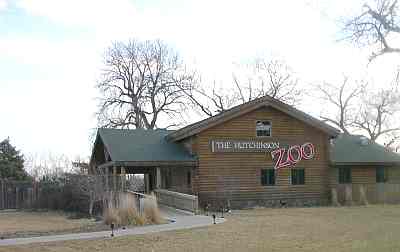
156, 163
93, 148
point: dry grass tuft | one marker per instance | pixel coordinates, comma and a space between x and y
151, 211
126, 213
111, 216
129, 216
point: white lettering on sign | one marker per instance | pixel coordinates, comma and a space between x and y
242, 146
294, 154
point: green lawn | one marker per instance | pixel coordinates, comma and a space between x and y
372, 228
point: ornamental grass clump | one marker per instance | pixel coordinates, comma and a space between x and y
130, 217
127, 214
151, 211
111, 216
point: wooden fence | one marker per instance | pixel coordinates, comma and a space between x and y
74, 192
18, 194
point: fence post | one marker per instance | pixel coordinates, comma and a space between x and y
106, 177
16, 197
35, 195
5, 194
1, 194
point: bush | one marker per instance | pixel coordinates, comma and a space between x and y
50, 194
74, 201
59, 192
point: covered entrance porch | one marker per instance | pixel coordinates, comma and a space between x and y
167, 167
172, 176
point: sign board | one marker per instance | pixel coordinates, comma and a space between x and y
243, 146
283, 155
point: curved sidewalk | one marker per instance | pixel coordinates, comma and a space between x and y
179, 221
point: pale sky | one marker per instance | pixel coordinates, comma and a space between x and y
51, 54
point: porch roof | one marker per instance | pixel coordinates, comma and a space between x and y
142, 146
357, 149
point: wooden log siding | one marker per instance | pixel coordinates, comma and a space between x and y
238, 175
394, 174
365, 174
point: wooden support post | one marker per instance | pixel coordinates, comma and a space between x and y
106, 177
158, 178
36, 191
115, 178
2, 194
123, 178
146, 183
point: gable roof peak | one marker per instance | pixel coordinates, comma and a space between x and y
247, 107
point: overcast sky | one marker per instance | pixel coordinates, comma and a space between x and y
51, 54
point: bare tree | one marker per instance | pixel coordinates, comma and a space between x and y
374, 26
358, 108
48, 165
377, 116
142, 81
260, 78
274, 78
211, 101
344, 99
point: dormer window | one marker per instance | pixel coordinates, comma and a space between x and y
263, 128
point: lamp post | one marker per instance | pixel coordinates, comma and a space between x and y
207, 208
112, 229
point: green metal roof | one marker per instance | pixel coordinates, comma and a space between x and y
351, 149
152, 145
142, 145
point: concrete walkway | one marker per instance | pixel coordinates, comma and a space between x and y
180, 220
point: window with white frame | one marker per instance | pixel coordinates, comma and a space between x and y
263, 128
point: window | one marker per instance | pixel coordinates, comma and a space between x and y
381, 176
298, 177
263, 128
344, 175
268, 177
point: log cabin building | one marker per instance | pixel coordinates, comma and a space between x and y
261, 153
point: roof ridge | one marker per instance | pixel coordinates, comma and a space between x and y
138, 129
